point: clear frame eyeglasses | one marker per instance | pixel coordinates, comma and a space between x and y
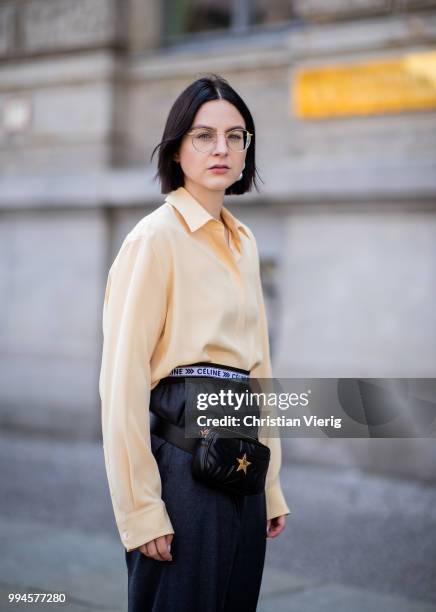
204, 139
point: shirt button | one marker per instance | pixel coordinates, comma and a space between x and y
125, 534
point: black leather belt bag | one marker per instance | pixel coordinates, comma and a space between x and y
226, 459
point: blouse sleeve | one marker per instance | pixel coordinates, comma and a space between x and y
275, 501
133, 317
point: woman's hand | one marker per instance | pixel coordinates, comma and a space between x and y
159, 548
275, 526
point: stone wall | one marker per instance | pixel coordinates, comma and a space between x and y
345, 220
319, 10
32, 27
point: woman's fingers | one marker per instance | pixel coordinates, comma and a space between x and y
157, 549
275, 526
151, 550
169, 538
162, 548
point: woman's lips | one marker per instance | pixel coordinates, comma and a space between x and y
219, 170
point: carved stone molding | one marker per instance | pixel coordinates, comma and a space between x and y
56, 24
315, 9
319, 9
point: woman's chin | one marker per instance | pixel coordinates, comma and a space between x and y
218, 182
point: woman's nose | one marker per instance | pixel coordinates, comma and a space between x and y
221, 143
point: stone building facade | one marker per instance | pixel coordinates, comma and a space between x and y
345, 219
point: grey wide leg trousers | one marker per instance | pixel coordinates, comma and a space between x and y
218, 547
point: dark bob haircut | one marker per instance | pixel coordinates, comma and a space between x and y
179, 121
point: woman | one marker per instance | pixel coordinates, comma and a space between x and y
185, 289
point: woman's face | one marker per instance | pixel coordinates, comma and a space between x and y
196, 166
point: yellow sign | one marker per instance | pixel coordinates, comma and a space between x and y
363, 88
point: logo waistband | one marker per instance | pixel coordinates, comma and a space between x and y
208, 370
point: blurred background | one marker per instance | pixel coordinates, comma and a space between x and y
343, 95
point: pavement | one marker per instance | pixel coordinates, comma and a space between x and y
354, 542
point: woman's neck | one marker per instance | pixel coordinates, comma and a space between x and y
211, 200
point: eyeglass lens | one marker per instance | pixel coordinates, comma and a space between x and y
204, 140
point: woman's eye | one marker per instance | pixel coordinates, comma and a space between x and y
204, 136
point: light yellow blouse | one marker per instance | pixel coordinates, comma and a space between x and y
176, 294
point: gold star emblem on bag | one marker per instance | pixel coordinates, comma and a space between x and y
243, 463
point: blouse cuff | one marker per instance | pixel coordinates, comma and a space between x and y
275, 502
143, 526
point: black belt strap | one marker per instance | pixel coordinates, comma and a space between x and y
171, 433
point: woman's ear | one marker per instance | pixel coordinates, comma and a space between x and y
176, 157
